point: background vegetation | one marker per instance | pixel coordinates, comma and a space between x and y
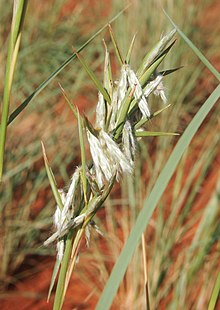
182, 238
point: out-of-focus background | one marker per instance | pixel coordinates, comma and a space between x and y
182, 240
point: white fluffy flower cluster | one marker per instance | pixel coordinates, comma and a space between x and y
110, 158
61, 218
107, 157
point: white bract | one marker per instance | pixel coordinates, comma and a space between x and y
64, 216
151, 86
122, 85
100, 112
107, 157
58, 223
138, 92
161, 91
128, 142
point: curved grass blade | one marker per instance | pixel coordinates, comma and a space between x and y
24, 104
194, 48
150, 204
19, 10
94, 78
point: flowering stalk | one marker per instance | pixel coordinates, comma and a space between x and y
121, 107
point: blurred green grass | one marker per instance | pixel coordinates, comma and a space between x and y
26, 202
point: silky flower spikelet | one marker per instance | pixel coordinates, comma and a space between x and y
107, 157
138, 92
128, 142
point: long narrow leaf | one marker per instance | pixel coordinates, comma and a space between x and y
195, 49
215, 294
52, 180
115, 44
154, 133
71, 106
94, 78
53, 278
128, 56
143, 219
107, 72
19, 10
143, 120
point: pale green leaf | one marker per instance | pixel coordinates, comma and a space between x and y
93, 77
115, 44
52, 179
195, 49
154, 134
53, 278
128, 57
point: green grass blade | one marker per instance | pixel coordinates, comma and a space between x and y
147, 74
155, 52
150, 204
144, 120
91, 74
25, 103
58, 300
128, 56
215, 294
117, 51
154, 134
19, 11
167, 72
107, 72
195, 49
71, 106
52, 180
53, 278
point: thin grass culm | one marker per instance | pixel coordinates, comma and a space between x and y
19, 10
122, 113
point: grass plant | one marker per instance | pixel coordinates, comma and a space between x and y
120, 107
182, 236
